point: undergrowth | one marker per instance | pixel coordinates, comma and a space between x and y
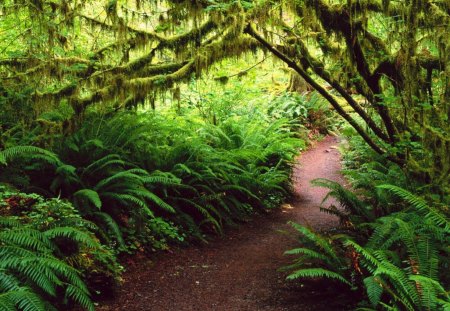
392, 245
126, 183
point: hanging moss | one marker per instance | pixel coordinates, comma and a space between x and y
394, 53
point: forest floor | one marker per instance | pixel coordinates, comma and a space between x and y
239, 270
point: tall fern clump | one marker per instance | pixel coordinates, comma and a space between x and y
136, 182
46, 252
392, 245
310, 114
142, 175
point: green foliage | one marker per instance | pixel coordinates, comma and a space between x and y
310, 114
393, 244
69, 70
201, 178
27, 153
28, 264
401, 263
319, 258
49, 236
44, 254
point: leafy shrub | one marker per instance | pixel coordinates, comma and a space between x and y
392, 243
310, 114
46, 249
401, 263
199, 178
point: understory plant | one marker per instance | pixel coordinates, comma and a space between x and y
392, 245
310, 115
195, 175
148, 179
47, 253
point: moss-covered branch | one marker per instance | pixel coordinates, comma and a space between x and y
292, 64
177, 41
340, 21
308, 61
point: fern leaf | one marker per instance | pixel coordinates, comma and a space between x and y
90, 196
103, 163
30, 152
27, 238
419, 204
307, 252
24, 298
159, 202
9, 222
316, 239
80, 296
317, 273
374, 289
111, 226
72, 234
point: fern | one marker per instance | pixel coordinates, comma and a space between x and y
320, 253
27, 257
87, 195
23, 298
317, 273
374, 287
27, 153
420, 205
348, 200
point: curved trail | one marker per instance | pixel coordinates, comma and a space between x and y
239, 271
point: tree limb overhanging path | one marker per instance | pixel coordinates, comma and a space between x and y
239, 271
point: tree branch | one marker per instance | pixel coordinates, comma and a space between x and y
339, 20
249, 30
319, 68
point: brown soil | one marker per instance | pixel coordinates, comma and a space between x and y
239, 271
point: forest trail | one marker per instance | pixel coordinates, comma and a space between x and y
239, 271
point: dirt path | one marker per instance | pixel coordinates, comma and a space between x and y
239, 271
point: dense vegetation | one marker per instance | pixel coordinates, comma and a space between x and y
392, 246
117, 137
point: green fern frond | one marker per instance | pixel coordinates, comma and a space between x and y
72, 234
23, 299
105, 220
88, 195
204, 212
370, 262
9, 222
8, 282
27, 238
81, 296
3, 159
420, 205
117, 180
317, 273
30, 152
374, 289
27, 256
104, 163
159, 202
167, 179
307, 252
125, 199
430, 291
348, 200
321, 242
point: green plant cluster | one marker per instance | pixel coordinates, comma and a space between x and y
132, 182
311, 115
46, 252
392, 246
